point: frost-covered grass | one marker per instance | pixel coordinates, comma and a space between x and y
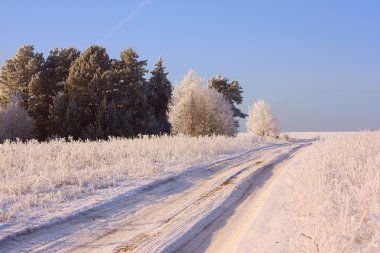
335, 195
43, 174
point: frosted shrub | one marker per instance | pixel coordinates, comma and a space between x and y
260, 120
15, 122
198, 111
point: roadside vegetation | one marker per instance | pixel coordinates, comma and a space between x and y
335, 195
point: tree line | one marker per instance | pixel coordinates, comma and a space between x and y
88, 95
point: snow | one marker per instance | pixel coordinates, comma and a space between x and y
261, 222
266, 197
44, 183
171, 208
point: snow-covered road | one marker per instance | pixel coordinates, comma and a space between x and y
192, 212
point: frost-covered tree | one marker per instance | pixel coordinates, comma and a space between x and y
17, 72
160, 92
15, 122
231, 91
260, 120
197, 111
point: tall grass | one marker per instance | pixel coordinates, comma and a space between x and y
42, 174
335, 195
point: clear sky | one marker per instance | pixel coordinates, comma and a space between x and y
317, 63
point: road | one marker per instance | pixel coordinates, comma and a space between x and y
207, 209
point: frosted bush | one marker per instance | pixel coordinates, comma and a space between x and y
15, 122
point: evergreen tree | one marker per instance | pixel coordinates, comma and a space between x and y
57, 67
160, 92
117, 124
56, 71
102, 121
130, 95
73, 121
231, 92
87, 95
38, 105
17, 72
57, 115
87, 86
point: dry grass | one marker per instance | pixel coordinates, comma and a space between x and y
42, 174
335, 195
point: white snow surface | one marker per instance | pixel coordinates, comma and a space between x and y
47, 183
150, 214
315, 194
261, 223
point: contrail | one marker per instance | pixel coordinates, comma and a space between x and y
127, 19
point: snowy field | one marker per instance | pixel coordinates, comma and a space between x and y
327, 199
213, 194
334, 192
40, 180
312, 135
159, 216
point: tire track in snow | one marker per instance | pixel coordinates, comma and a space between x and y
232, 222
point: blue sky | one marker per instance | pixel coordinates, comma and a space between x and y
317, 63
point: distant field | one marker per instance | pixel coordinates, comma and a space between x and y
310, 135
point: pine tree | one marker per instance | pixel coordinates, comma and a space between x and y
160, 92
56, 71
231, 92
117, 124
57, 115
102, 121
130, 94
38, 105
17, 72
86, 85
73, 120
57, 67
